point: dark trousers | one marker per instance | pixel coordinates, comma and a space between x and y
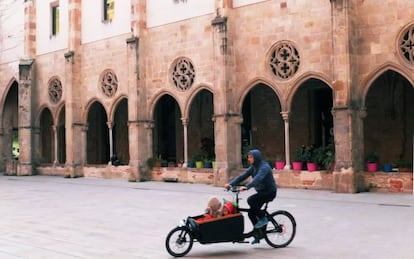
256, 202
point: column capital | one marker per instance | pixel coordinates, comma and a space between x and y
185, 121
285, 115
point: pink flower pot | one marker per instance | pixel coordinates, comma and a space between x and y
297, 165
312, 166
279, 165
372, 167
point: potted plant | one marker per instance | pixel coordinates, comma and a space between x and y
404, 166
280, 162
311, 157
372, 161
199, 158
387, 167
153, 162
299, 158
325, 156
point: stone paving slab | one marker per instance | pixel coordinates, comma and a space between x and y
54, 217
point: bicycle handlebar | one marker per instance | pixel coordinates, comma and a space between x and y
235, 189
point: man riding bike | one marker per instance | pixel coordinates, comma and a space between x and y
264, 184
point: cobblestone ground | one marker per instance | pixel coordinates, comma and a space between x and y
54, 217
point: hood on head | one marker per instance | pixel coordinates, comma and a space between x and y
257, 156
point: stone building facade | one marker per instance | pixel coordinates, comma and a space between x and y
85, 81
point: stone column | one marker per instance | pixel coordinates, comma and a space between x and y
344, 82
140, 125
75, 148
185, 129
285, 116
25, 118
55, 145
227, 119
83, 142
111, 139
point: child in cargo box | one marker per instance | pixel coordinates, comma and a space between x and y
213, 209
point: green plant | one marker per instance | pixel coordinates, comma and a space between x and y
302, 155
280, 157
152, 162
325, 155
372, 157
199, 156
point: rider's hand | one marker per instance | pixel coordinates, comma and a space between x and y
243, 188
227, 186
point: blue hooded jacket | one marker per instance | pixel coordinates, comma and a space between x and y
261, 173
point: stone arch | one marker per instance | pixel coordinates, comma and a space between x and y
201, 136
389, 66
88, 106
310, 104
299, 82
114, 105
9, 125
388, 124
60, 123
46, 132
262, 121
168, 129
255, 82
12, 82
191, 97
97, 147
157, 97
119, 119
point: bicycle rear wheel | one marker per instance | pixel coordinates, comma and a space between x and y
179, 241
281, 229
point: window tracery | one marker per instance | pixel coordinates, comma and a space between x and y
406, 45
284, 60
55, 90
109, 83
183, 74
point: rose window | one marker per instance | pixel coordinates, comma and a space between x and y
284, 60
55, 90
183, 74
407, 45
109, 83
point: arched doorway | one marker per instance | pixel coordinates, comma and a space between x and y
46, 137
201, 143
168, 130
120, 132
61, 137
311, 121
98, 135
389, 124
10, 146
262, 126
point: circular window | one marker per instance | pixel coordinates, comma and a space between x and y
406, 45
55, 90
284, 60
109, 83
183, 74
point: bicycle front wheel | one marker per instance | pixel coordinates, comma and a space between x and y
281, 229
179, 241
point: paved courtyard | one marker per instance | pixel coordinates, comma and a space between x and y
54, 217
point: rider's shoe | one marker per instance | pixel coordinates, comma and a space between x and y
261, 223
255, 241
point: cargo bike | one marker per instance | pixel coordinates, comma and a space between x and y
279, 232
